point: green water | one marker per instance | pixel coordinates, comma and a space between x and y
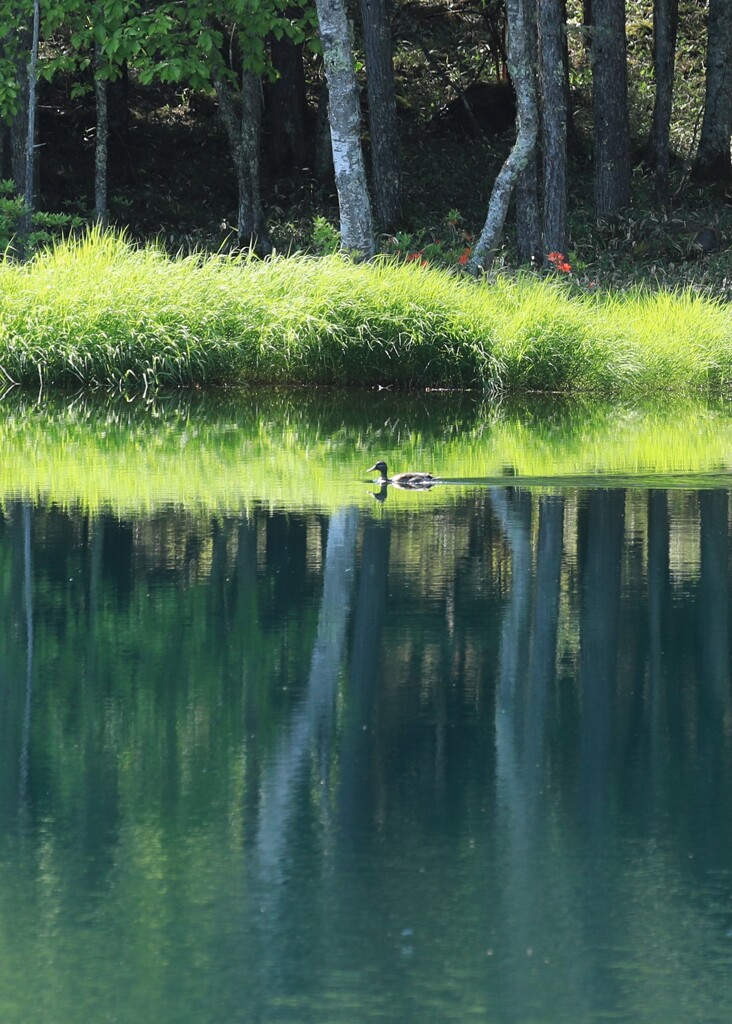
460, 755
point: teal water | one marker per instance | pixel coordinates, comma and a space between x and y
464, 761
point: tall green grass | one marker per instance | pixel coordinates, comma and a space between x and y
100, 311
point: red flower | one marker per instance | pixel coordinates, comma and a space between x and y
415, 256
560, 262
464, 256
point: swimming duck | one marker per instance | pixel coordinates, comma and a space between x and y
401, 479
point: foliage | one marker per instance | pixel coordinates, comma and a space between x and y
448, 244
45, 226
170, 49
166, 42
326, 239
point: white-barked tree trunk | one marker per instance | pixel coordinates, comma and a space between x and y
344, 115
523, 76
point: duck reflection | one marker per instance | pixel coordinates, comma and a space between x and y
383, 491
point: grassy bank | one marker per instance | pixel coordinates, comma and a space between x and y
100, 312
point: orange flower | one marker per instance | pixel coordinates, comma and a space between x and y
464, 256
560, 262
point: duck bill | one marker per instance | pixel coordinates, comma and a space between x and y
373, 469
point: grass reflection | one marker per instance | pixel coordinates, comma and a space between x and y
311, 448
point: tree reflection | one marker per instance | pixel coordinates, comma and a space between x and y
425, 734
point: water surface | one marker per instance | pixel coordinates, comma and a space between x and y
462, 755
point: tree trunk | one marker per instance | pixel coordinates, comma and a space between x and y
553, 88
30, 139
101, 140
383, 127
287, 104
528, 226
243, 135
665, 23
713, 156
251, 226
528, 222
357, 234
610, 107
527, 119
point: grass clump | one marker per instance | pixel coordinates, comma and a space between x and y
99, 311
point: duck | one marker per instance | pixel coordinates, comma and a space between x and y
401, 479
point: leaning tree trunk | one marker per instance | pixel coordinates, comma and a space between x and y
527, 120
357, 233
713, 156
610, 107
243, 135
383, 127
528, 224
553, 89
665, 23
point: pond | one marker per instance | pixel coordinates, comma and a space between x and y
280, 747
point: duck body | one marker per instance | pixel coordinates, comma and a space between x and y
401, 479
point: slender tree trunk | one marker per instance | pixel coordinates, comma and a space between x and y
528, 223
30, 139
665, 24
610, 107
357, 233
101, 140
553, 88
713, 156
251, 227
383, 127
243, 134
527, 120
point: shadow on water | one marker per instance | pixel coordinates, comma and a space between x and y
446, 760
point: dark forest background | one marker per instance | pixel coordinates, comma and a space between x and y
180, 121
